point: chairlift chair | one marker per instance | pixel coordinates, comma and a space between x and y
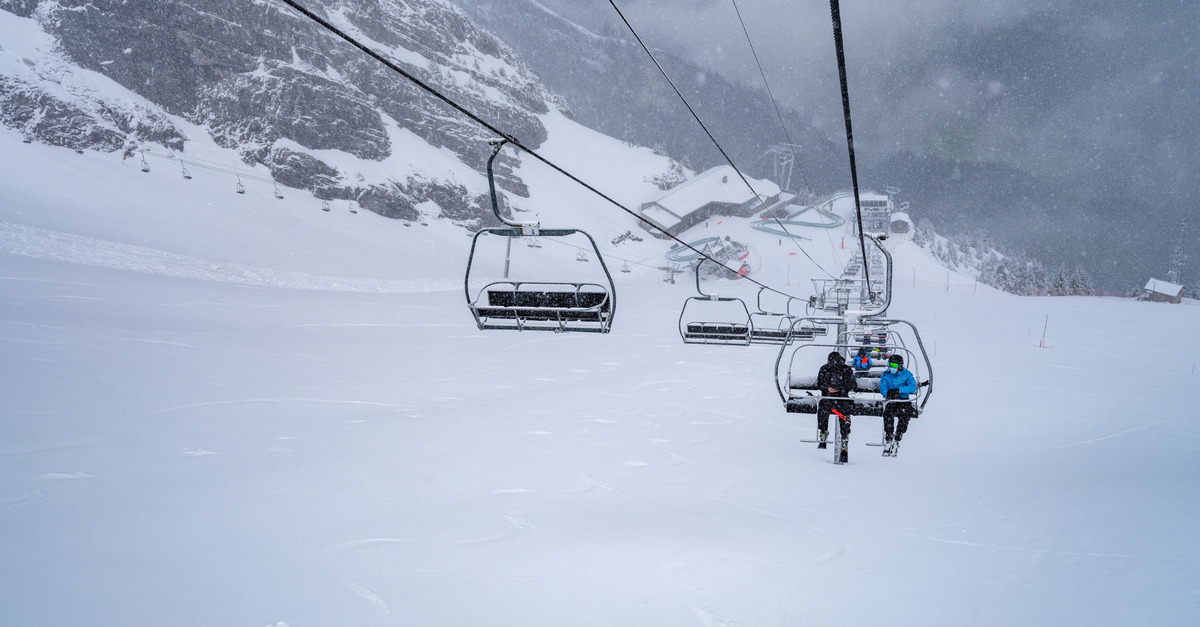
324, 205
625, 267
796, 372
542, 302
145, 166
772, 327
278, 194
184, 171
241, 189
712, 319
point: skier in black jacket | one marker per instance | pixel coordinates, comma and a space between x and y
835, 379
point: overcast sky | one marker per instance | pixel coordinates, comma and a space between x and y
971, 80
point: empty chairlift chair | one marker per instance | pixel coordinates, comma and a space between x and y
712, 319
539, 296
772, 327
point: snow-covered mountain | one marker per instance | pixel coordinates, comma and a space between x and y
265, 82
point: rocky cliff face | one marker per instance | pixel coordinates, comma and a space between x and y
274, 86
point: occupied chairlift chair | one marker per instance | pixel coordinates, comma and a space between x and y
538, 305
701, 322
798, 389
797, 384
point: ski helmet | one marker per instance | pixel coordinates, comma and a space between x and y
896, 359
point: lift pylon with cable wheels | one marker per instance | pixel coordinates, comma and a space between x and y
534, 291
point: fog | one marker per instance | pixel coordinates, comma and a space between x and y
1077, 117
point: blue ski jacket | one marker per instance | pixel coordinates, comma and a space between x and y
902, 381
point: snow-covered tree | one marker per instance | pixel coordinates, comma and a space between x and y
1080, 283
1062, 283
1178, 257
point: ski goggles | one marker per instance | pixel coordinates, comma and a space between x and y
893, 365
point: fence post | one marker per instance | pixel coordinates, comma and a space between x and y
1042, 344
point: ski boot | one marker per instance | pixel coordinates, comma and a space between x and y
844, 451
821, 442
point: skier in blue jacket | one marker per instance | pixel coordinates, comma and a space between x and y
896, 383
861, 362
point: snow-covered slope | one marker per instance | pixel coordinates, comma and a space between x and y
224, 409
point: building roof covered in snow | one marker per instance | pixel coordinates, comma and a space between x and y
716, 185
1163, 287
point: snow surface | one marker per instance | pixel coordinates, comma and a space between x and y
224, 409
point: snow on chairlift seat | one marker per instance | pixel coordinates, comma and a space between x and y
545, 306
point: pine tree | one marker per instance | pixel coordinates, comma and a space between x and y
1178, 257
1062, 284
1080, 283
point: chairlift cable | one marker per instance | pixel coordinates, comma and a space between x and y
767, 84
710, 137
216, 168
835, 12
485, 124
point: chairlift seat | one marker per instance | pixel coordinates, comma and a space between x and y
716, 332
583, 307
768, 336
865, 400
568, 300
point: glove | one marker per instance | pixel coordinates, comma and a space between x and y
893, 394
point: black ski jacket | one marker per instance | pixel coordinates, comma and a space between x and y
837, 375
